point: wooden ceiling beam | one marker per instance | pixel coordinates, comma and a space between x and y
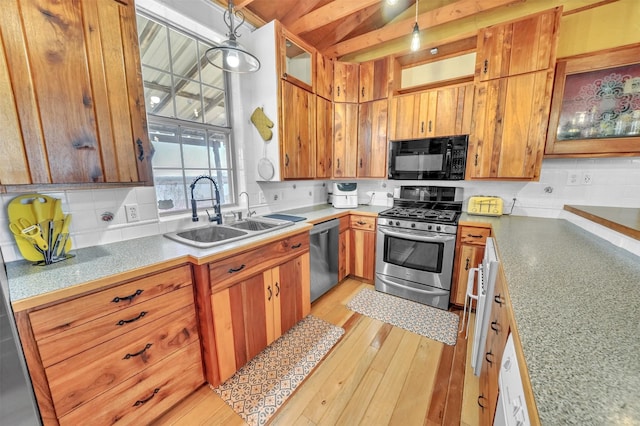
445, 14
328, 13
344, 28
299, 9
241, 4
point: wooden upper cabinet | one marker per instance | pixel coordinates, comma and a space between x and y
438, 112
372, 139
324, 76
345, 140
522, 46
77, 110
345, 82
509, 127
324, 137
374, 80
298, 132
298, 60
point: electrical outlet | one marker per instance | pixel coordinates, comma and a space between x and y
573, 178
587, 178
261, 198
131, 211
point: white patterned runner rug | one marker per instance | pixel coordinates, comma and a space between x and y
427, 321
259, 388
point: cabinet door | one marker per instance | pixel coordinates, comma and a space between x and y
289, 293
343, 255
362, 250
228, 330
96, 91
324, 137
374, 80
372, 139
345, 140
469, 256
298, 60
509, 127
427, 103
324, 76
522, 46
298, 132
345, 81
402, 116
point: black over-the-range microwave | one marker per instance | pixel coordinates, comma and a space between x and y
441, 158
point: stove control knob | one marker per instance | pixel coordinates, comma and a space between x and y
413, 225
438, 228
397, 223
429, 227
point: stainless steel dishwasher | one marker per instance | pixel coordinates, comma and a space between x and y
324, 257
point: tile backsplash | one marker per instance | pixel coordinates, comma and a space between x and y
604, 182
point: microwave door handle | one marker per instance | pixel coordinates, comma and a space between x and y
433, 292
421, 238
447, 161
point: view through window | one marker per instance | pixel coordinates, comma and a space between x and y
187, 111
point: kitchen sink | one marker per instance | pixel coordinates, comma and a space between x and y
213, 235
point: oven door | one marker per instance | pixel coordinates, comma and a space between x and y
421, 257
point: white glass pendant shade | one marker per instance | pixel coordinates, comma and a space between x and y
231, 56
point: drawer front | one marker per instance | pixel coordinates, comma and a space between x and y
366, 223
55, 319
473, 235
228, 271
75, 340
79, 379
146, 395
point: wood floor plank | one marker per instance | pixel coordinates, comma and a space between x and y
438, 402
357, 403
386, 396
470, 411
418, 388
453, 408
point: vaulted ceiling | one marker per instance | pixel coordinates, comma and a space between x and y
358, 30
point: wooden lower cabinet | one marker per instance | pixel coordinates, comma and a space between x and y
362, 246
248, 300
470, 245
129, 352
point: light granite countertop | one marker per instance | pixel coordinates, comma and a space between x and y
576, 301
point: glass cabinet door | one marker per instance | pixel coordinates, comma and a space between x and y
298, 62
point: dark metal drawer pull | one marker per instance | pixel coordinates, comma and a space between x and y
147, 346
474, 236
140, 149
495, 326
142, 401
128, 298
361, 222
466, 265
123, 322
277, 288
232, 270
487, 357
270, 293
498, 299
481, 397
297, 246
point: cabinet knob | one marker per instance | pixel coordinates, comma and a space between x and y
361, 162
486, 66
338, 91
277, 289
363, 91
270, 293
480, 398
422, 127
429, 126
487, 355
498, 299
466, 265
495, 326
286, 159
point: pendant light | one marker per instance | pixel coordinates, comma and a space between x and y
230, 55
415, 34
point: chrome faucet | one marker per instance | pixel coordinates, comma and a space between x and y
217, 217
249, 212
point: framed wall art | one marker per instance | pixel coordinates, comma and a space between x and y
595, 106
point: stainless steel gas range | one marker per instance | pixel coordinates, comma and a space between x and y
416, 244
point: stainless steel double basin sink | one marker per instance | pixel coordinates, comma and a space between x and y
213, 235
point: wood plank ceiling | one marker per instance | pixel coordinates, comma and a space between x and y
358, 30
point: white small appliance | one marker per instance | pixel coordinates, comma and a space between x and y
345, 195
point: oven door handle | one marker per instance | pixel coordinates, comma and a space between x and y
434, 292
422, 238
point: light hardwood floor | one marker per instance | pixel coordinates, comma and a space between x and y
377, 374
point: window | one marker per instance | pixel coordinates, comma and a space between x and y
189, 128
